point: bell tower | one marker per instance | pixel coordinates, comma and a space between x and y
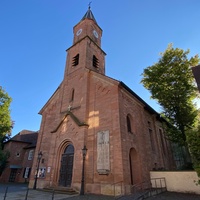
86, 50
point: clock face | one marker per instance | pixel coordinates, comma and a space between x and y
95, 34
79, 32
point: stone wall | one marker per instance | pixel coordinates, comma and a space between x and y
179, 181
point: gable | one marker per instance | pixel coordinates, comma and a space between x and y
51, 100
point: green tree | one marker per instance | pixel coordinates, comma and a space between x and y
171, 83
5, 126
3, 160
194, 145
5, 118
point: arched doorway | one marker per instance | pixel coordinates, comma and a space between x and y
66, 167
134, 166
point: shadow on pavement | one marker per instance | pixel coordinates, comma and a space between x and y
175, 196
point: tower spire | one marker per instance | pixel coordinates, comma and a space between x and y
89, 14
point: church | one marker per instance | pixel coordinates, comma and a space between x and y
96, 134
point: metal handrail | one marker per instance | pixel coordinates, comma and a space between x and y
114, 184
161, 179
138, 186
152, 185
160, 185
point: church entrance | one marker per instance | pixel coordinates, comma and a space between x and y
66, 168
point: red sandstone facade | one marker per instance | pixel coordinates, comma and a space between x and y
122, 134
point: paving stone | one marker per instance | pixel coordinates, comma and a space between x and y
175, 196
18, 192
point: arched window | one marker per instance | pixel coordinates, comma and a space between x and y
69, 149
128, 121
151, 136
162, 141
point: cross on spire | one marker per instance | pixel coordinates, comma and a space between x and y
89, 5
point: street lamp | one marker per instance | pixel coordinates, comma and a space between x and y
38, 165
84, 151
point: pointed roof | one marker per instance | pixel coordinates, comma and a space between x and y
89, 15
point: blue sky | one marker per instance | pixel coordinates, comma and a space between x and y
35, 34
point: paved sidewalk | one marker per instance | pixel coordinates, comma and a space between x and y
34, 195
19, 191
40, 195
174, 196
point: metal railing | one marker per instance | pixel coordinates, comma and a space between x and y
149, 188
140, 187
158, 185
117, 188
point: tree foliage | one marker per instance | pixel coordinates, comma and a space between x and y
194, 145
5, 119
5, 126
171, 83
3, 160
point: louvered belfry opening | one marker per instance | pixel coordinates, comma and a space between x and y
75, 60
95, 61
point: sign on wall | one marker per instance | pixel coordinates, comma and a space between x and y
41, 172
103, 152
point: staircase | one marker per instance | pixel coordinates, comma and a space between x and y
61, 190
141, 194
146, 189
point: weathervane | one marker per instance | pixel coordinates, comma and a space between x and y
89, 4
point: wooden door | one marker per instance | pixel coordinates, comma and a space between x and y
66, 169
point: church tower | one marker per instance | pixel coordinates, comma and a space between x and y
86, 50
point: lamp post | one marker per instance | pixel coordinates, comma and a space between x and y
38, 165
84, 151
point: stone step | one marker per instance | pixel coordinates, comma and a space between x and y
61, 190
140, 195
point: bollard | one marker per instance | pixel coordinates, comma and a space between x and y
26, 194
5, 193
53, 194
